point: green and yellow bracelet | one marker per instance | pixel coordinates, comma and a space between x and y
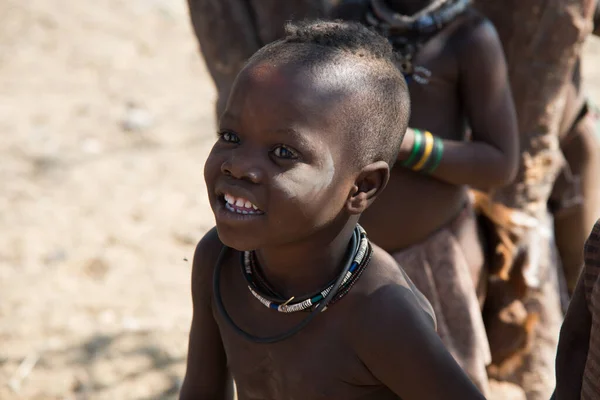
426, 153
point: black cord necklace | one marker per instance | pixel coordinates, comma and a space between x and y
407, 38
321, 306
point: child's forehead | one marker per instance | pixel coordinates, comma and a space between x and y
277, 76
266, 71
275, 95
269, 88
298, 85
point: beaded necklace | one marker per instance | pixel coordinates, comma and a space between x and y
260, 288
407, 34
406, 22
356, 259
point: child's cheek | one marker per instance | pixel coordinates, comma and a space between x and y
306, 184
210, 167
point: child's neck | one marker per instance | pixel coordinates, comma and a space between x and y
302, 268
408, 7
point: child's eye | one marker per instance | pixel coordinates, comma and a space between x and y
229, 137
284, 152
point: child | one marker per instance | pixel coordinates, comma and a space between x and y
457, 77
578, 357
312, 126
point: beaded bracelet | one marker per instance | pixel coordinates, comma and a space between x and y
426, 153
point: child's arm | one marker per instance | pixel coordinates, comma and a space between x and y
396, 341
206, 376
573, 346
491, 158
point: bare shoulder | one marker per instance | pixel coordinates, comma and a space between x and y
473, 31
205, 256
389, 289
394, 337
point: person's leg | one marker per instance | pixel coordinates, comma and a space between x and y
573, 220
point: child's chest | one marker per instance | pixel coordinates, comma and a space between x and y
316, 363
308, 366
434, 86
431, 65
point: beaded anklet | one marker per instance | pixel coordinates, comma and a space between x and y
426, 153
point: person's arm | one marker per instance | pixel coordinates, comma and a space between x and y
397, 342
490, 159
206, 376
573, 346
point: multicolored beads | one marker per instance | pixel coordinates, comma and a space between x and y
264, 293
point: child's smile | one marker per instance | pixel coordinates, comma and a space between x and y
240, 205
270, 174
233, 203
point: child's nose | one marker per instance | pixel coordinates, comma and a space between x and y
242, 167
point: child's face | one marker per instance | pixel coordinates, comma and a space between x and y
274, 176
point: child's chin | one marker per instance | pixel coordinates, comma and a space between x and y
237, 240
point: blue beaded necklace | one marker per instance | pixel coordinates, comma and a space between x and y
260, 289
408, 34
337, 291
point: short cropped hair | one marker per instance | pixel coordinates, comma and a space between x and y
380, 118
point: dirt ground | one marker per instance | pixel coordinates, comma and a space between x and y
106, 114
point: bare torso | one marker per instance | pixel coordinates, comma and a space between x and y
413, 205
317, 363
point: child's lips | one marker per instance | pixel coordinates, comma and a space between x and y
240, 193
229, 213
240, 205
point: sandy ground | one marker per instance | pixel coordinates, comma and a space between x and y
106, 114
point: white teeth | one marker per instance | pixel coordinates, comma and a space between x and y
240, 202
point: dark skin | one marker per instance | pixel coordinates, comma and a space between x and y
469, 84
379, 341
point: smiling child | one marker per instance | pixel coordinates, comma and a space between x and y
312, 127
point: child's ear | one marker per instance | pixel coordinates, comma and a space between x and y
371, 180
